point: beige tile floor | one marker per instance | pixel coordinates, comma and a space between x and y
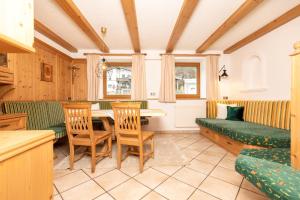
209, 175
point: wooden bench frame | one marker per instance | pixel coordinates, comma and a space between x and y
226, 142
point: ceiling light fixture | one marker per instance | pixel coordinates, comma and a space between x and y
103, 30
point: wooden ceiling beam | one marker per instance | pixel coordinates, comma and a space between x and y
238, 15
71, 9
131, 20
184, 16
41, 28
283, 19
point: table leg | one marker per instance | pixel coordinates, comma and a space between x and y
107, 126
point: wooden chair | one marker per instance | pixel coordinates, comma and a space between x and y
80, 133
129, 133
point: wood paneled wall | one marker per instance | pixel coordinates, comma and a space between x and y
79, 86
27, 70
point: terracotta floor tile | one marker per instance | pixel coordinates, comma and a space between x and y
130, 190
174, 189
189, 176
68, 181
84, 191
153, 196
218, 188
227, 175
200, 195
151, 178
201, 166
105, 196
169, 170
248, 195
111, 179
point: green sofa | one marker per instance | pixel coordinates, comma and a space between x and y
49, 115
270, 171
249, 133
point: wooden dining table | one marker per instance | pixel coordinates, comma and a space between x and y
104, 115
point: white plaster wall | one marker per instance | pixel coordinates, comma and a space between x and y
274, 48
168, 122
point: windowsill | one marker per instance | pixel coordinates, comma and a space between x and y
117, 97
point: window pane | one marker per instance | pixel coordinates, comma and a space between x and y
186, 80
118, 80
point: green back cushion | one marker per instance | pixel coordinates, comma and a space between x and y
37, 117
235, 113
55, 113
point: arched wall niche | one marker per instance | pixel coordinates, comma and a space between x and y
254, 73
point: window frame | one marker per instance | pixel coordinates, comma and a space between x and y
114, 64
190, 64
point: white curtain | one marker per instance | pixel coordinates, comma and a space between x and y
94, 83
212, 77
138, 81
167, 84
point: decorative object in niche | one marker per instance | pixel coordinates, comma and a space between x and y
3, 60
46, 72
253, 74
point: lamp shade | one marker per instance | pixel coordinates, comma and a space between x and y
224, 74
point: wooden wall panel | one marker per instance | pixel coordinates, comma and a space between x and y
27, 69
64, 79
79, 86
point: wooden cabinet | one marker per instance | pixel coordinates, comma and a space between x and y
26, 165
13, 122
7, 77
295, 108
16, 26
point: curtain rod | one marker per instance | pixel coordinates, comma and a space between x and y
190, 55
115, 54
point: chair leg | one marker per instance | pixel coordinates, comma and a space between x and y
119, 156
152, 148
71, 156
109, 147
93, 158
141, 158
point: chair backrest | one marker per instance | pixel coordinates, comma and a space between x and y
78, 119
270, 113
127, 119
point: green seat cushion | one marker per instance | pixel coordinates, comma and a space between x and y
278, 181
60, 131
278, 155
249, 133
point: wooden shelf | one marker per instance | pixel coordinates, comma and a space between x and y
9, 45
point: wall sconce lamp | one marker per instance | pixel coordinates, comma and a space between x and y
101, 67
224, 74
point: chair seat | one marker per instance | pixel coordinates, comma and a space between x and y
134, 140
85, 139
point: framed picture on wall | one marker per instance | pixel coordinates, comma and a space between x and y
46, 72
3, 60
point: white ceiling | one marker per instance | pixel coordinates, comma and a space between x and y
156, 19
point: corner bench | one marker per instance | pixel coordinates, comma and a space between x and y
270, 171
266, 125
49, 115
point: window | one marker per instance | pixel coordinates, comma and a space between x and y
187, 77
117, 81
